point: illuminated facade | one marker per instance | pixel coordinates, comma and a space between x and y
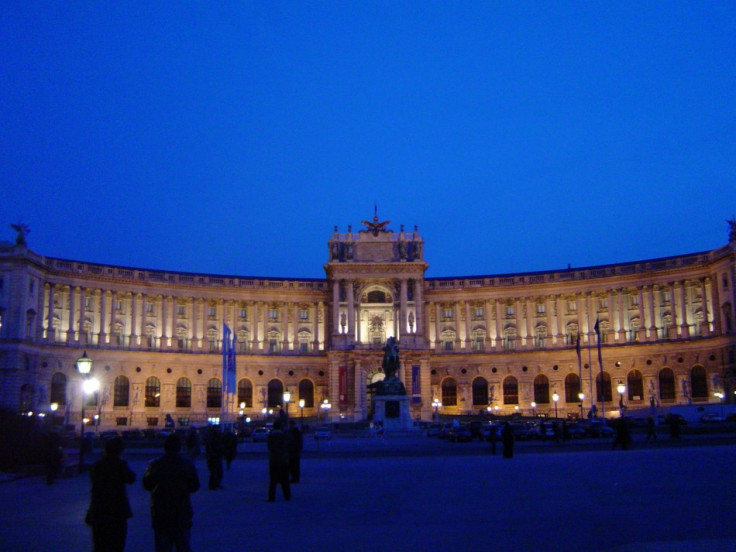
505, 342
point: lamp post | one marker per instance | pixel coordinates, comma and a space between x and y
325, 406
287, 399
436, 404
534, 409
302, 402
84, 367
581, 396
720, 396
555, 398
621, 388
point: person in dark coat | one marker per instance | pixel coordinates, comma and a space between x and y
651, 429
171, 479
214, 451
278, 462
53, 455
296, 444
507, 437
623, 436
229, 447
109, 508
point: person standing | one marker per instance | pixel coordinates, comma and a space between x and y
278, 462
507, 437
214, 451
171, 479
109, 508
229, 447
651, 429
53, 454
296, 443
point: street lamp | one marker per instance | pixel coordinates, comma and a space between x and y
534, 409
84, 367
325, 406
302, 402
436, 404
720, 396
621, 388
581, 396
555, 398
287, 399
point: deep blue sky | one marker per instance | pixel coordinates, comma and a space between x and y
231, 137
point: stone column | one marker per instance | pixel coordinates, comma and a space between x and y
50, 330
315, 328
531, 312
419, 306
490, 328
133, 319
285, 327
336, 307
402, 308
561, 328
707, 309
82, 311
295, 326
468, 326
437, 326
657, 314
254, 326
72, 312
164, 321
651, 319
351, 308
682, 308
620, 309
499, 324
456, 323
549, 306
266, 337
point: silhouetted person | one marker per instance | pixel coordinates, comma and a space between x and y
229, 447
214, 451
623, 437
651, 429
278, 462
171, 480
53, 454
493, 438
507, 437
109, 508
674, 424
296, 444
192, 444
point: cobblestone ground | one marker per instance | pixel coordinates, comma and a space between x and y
373, 495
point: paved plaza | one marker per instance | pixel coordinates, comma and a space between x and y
404, 493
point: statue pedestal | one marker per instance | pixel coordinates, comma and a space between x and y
393, 412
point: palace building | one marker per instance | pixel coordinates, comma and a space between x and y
526, 343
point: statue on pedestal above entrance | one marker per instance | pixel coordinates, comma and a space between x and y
391, 384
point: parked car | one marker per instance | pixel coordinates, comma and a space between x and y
445, 430
576, 431
521, 431
542, 430
259, 435
322, 433
132, 435
460, 434
433, 430
598, 428
709, 418
487, 429
109, 434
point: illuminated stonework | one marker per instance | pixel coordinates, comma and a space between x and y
667, 328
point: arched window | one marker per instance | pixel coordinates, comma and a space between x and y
541, 389
121, 391
245, 393
666, 384
603, 387
58, 389
183, 393
275, 393
635, 385
510, 390
306, 392
572, 388
449, 392
480, 392
153, 392
698, 383
214, 393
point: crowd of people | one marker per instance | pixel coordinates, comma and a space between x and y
172, 478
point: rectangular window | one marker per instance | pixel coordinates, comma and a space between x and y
509, 310
541, 308
180, 310
149, 307
634, 299
121, 421
604, 303
478, 343
303, 314
273, 314
449, 345
479, 312
572, 306
303, 347
243, 314
212, 312
118, 305
448, 312
151, 422
88, 302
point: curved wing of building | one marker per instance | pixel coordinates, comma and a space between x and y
637, 335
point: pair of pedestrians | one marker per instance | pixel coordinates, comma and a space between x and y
171, 479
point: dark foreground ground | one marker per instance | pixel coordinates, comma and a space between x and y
404, 493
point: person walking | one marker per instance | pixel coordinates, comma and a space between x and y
507, 438
171, 479
214, 451
296, 443
651, 429
278, 462
109, 508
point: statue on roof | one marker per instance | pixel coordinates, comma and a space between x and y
732, 225
22, 230
375, 227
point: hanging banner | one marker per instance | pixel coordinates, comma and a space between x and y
415, 389
343, 383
